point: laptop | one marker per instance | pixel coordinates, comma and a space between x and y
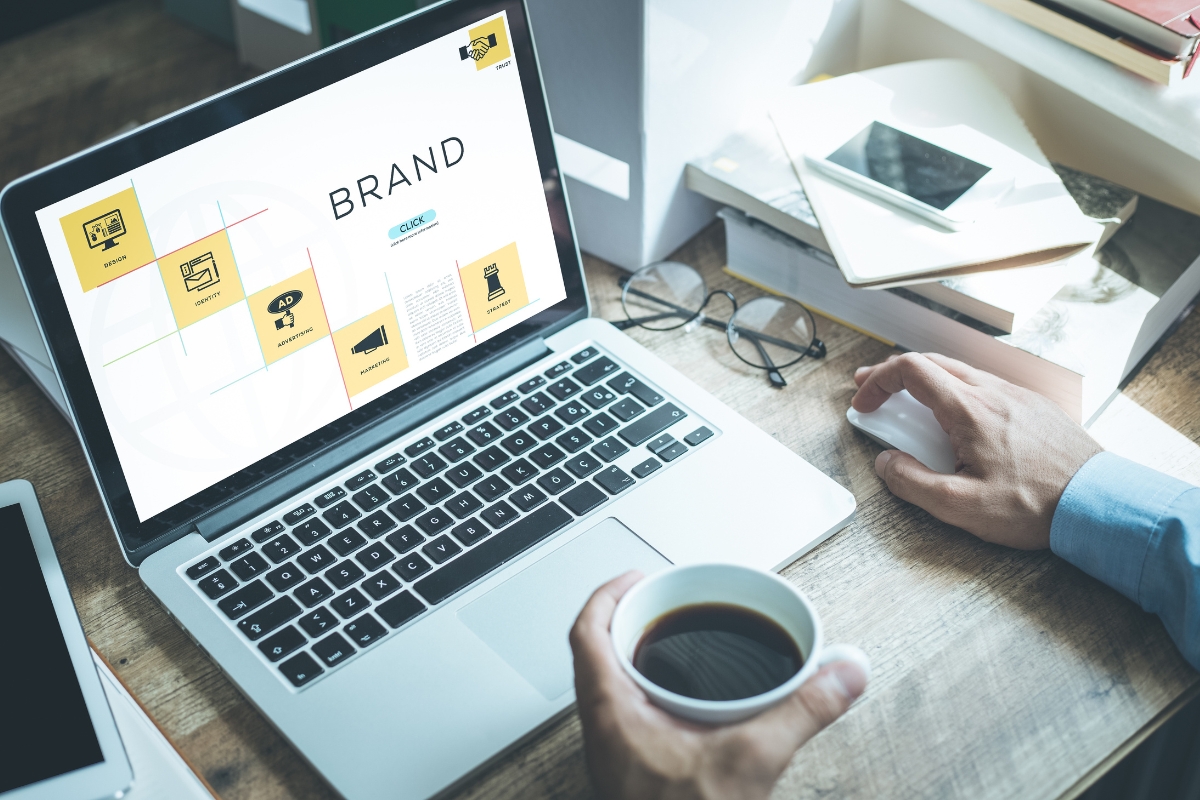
325, 339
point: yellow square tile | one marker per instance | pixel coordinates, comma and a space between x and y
370, 350
494, 286
288, 316
201, 279
107, 239
488, 45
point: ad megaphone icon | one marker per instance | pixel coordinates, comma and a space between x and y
372, 342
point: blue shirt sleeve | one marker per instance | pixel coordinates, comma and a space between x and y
1138, 531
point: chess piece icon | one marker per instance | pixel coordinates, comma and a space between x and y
491, 273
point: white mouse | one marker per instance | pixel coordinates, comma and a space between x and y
902, 423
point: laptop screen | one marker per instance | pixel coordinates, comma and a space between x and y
246, 290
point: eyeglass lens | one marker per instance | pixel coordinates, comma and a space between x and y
663, 296
771, 332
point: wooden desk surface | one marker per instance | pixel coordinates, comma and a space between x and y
997, 673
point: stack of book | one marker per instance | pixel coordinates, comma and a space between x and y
1073, 331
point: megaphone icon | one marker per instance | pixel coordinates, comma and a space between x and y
372, 342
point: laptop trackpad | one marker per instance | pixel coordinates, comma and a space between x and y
526, 619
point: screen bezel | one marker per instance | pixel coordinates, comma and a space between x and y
113, 774
21, 199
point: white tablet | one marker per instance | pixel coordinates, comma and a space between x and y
60, 740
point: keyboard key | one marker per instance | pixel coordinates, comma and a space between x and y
370, 498
491, 488
494, 552
463, 505
625, 410
652, 424
341, 515
434, 521
281, 549
435, 491
583, 498
572, 412
404, 539
563, 388
330, 497
312, 531
584, 354
546, 427
285, 577
537, 404
400, 482
574, 440
418, 447
286, 641
600, 425
627, 384
503, 400
527, 499
400, 609
318, 622
595, 371
365, 630
249, 566
377, 524
234, 550
411, 567
598, 397
374, 556
614, 480
333, 650
610, 449
268, 618
428, 465
646, 467
489, 459
381, 584
697, 436
519, 442
316, 559
446, 431
350, 603
531, 384
441, 549
344, 574
511, 418
313, 592
660, 443
406, 507
470, 532
464, 474
583, 465
546, 456
557, 370
298, 514
484, 434
456, 450
249, 596
202, 568
473, 417
267, 531
498, 515
217, 584
360, 480
300, 669
518, 472
555, 481
347, 542
673, 452
389, 463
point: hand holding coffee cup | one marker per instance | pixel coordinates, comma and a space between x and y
636, 748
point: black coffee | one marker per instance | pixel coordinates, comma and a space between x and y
716, 651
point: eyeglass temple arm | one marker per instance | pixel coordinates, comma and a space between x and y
772, 371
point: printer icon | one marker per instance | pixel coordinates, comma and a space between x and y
200, 273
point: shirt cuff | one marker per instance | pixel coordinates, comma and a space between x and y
1107, 516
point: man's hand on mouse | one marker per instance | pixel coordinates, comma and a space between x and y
636, 750
1015, 450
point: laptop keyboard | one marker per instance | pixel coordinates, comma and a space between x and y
313, 586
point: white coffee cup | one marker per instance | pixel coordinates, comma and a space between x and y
764, 592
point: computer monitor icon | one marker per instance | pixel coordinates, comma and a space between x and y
104, 229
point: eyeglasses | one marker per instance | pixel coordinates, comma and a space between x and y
769, 333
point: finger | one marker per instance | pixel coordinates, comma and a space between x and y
929, 383
963, 371
595, 660
862, 373
822, 699
947, 497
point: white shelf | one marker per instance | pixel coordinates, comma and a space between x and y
1171, 115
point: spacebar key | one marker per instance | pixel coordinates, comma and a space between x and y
652, 424
493, 553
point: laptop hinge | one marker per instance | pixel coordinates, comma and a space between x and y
342, 454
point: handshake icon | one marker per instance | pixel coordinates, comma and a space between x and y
478, 48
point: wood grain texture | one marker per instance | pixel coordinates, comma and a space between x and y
997, 673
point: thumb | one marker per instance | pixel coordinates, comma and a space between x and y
822, 699
911, 480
